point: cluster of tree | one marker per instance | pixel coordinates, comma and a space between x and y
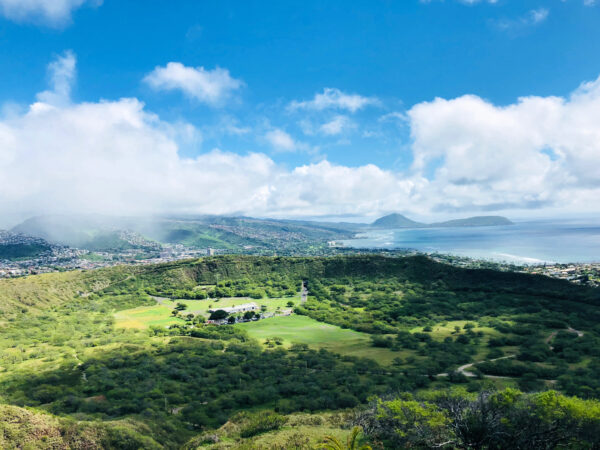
489, 420
211, 379
244, 287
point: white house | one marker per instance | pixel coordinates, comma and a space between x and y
237, 309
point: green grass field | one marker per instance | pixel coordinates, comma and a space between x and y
145, 316
304, 330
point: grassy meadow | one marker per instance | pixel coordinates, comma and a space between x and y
146, 316
304, 330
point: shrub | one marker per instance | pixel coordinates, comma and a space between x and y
261, 422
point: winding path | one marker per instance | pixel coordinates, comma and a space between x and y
303, 293
464, 368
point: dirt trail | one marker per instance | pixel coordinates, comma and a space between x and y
463, 369
552, 335
303, 293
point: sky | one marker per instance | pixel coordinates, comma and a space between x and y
300, 109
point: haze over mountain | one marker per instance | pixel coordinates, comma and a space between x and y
95, 232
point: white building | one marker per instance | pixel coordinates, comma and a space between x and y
237, 309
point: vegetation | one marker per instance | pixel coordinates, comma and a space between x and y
22, 251
93, 353
489, 420
297, 329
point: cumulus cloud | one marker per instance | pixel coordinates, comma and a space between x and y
333, 98
538, 151
207, 86
50, 12
115, 157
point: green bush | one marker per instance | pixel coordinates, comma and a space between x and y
261, 422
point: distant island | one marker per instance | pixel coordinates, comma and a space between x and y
399, 221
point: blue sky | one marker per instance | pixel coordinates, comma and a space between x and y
303, 84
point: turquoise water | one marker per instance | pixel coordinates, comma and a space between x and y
525, 242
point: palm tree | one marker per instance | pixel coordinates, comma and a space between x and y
332, 443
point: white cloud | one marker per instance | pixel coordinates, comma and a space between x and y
538, 151
538, 15
394, 116
62, 76
115, 157
532, 18
50, 12
207, 86
280, 140
337, 125
333, 98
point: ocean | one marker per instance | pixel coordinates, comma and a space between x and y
523, 243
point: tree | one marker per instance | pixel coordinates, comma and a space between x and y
219, 314
199, 319
333, 443
181, 306
290, 304
504, 419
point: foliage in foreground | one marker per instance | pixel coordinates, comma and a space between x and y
22, 428
490, 420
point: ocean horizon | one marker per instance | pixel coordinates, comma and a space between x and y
533, 242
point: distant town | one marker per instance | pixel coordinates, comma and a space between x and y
56, 258
53, 258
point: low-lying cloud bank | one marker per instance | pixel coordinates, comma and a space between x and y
115, 157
